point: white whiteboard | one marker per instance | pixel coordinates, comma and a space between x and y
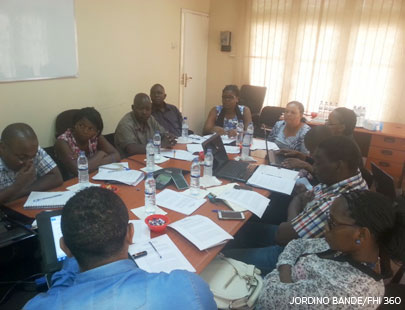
37, 40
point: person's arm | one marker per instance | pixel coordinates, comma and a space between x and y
48, 181
209, 126
133, 148
247, 117
110, 154
295, 163
292, 154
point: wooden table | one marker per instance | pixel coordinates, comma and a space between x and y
134, 197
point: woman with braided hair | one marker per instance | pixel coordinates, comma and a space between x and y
343, 267
223, 119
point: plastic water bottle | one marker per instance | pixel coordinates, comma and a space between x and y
150, 156
195, 177
184, 128
157, 140
362, 112
208, 162
150, 194
239, 137
321, 110
249, 132
83, 168
245, 147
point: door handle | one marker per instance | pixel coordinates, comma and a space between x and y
186, 78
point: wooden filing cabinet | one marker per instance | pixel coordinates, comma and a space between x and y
388, 153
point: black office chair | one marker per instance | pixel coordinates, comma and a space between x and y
268, 117
253, 97
64, 121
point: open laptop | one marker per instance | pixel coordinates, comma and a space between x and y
384, 183
223, 166
273, 157
49, 233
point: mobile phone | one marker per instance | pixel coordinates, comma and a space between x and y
230, 215
180, 181
162, 180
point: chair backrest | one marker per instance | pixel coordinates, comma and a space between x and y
270, 115
384, 183
64, 121
253, 97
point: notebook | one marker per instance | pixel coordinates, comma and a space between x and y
223, 166
45, 200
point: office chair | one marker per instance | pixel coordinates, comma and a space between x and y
269, 116
253, 97
64, 121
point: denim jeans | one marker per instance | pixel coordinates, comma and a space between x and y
255, 244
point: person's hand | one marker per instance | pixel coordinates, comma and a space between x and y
26, 175
294, 163
168, 140
305, 197
299, 189
232, 133
291, 153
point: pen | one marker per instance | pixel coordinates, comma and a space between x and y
115, 169
49, 197
139, 254
157, 252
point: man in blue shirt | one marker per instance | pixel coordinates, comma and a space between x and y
96, 233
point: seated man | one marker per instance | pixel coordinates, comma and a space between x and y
167, 115
98, 273
336, 167
137, 127
24, 166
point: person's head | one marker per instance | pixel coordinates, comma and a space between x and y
87, 124
294, 113
315, 136
336, 159
95, 228
157, 94
230, 97
342, 121
363, 221
18, 145
142, 107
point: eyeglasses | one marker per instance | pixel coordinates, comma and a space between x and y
333, 223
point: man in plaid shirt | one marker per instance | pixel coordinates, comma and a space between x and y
336, 166
24, 166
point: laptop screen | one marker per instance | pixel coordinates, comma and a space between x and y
57, 234
384, 183
218, 150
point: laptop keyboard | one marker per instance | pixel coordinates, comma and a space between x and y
237, 170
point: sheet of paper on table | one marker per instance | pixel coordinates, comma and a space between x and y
178, 154
260, 144
129, 177
218, 190
141, 214
178, 202
141, 231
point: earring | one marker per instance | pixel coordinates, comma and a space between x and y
358, 241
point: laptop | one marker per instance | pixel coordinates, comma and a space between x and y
224, 167
49, 233
274, 159
384, 183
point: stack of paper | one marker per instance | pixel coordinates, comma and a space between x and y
115, 166
254, 202
218, 190
201, 231
129, 177
162, 256
178, 202
260, 144
178, 154
41, 200
273, 178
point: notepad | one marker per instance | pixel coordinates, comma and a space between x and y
201, 231
43, 200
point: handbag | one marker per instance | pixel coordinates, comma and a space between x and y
235, 285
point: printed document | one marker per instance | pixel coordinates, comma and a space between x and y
178, 202
129, 177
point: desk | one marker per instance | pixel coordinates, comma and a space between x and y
134, 197
386, 148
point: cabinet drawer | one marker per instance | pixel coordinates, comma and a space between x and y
394, 169
387, 142
384, 154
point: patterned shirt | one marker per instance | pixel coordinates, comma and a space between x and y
292, 143
232, 123
70, 139
311, 221
317, 277
43, 163
129, 131
170, 119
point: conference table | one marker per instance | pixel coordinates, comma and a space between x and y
133, 197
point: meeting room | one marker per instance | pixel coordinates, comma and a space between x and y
202, 154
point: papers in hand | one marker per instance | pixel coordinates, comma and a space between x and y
252, 201
129, 177
275, 179
38, 200
201, 231
164, 257
178, 154
178, 202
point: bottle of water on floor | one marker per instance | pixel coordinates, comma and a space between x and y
157, 140
83, 169
150, 156
184, 129
150, 194
195, 177
208, 162
245, 147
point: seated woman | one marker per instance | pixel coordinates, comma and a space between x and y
289, 133
223, 119
362, 227
85, 135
